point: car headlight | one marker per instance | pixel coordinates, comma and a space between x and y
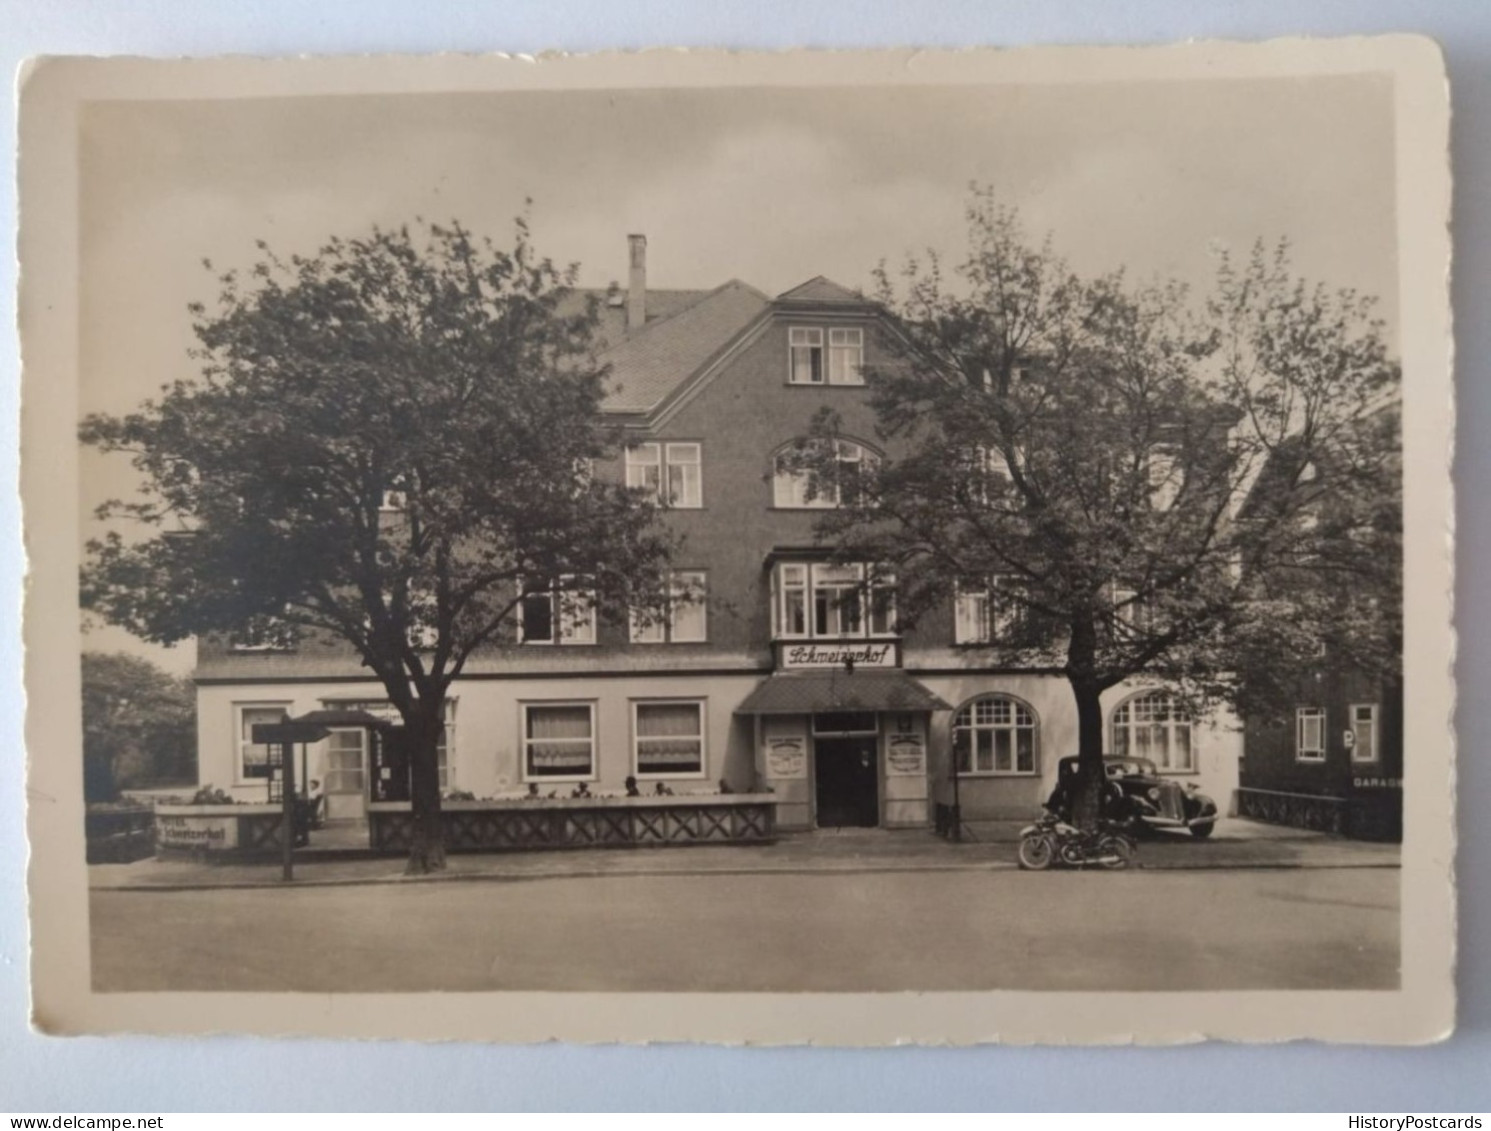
1154, 793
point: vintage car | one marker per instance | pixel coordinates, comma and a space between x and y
1141, 799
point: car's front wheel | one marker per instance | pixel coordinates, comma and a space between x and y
1201, 832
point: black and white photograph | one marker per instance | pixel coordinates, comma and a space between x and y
757, 529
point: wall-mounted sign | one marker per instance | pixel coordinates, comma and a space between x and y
1377, 783
212, 833
786, 758
906, 747
834, 655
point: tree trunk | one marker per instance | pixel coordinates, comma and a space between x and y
427, 836
1087, 691
1087, 804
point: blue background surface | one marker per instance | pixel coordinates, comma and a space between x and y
144, 1075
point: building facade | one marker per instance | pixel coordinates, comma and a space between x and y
774, 668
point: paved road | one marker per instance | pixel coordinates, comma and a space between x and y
1331, 928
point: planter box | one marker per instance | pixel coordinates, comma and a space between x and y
224, 832
599, 822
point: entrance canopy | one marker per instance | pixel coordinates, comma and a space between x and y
804, 692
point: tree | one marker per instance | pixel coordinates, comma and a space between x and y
389, 444
139, 725
1117, 484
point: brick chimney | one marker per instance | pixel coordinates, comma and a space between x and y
636, 285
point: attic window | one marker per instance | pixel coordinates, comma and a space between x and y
842, 364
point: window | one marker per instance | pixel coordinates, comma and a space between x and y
797, 487
1309, 734
1364, 732
253, 757
1153, 725
989, 614
559, 613
832, 601
807, 356
672, 472
668, 739
1166, 477
346, 750
995, 735
263, 634
684, 621
1133, 612
559, 741
846, 357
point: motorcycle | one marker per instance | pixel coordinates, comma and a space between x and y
1052, 841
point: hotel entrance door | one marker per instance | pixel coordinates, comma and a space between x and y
847, 782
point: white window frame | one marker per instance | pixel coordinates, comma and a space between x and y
1172, 723
445, 750
846, 355
789, 490
1018, 707
242, 743
1165, 477
650, 466
1306, 750
870, 582
995, 621
263, 634
524, 706
703, 735
806, 338
653, 629
1373, 720
564, 633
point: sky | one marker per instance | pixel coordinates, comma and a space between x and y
770, 186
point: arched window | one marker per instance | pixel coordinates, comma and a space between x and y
795, 486
1153, 725
996, 735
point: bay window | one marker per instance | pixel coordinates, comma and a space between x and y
823, 600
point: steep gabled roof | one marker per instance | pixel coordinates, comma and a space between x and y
611, 329
820, 290
651, 363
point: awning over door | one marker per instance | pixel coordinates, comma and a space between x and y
798, 693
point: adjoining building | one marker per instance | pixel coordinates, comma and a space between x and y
776, 668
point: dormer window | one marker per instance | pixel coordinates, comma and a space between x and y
841, 364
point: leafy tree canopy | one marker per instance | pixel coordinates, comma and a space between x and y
388, 441
1203, 493
139, 725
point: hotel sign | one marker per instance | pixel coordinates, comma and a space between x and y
867, 655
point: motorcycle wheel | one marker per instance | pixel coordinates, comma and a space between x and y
1036, 852
1116, 852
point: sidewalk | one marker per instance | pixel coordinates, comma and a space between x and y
1237, 844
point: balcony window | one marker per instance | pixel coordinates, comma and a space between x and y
824, 601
